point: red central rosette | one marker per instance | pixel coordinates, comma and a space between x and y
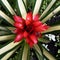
30, 29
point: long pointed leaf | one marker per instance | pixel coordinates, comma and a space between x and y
37, 6
54, 28
10, 9
3, 28
25, 52
11, 28
25, 1
8, 47
4, 33
48, 55
6, 37
43, 40
51, 14
22, 8
37, 48
8, 19
47, 9
9, 54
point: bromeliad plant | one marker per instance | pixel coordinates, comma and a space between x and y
30, 28
27, 30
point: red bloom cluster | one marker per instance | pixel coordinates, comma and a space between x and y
30, 28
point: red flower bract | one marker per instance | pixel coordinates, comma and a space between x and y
30, 28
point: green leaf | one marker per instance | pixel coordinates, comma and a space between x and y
20, 52
53, 28
25, 3
47, 9
37, 7
51, 14
9, 54
38, 52
4, 33
16, 7
11, 28
48, 55
59, 51
7, 6
25, 52
6, 37
8, 47
22, 8
3, 28
30, 5
4, 16
43, 40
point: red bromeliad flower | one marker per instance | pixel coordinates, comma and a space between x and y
30, 28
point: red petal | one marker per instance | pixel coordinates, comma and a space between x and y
36, 17
29, 18
16, 30
41, 28
34, 38
37, 23
31, 44
18, 25
18, 19
25, 34
38, 34
45, 26
18, 38
29, 41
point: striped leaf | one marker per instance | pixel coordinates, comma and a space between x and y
43, 40
8, 19
8, 47
9, 54
37, 7
7, 5
25, 52
48, 55
51, 14
47, 9
6, 37
38, 52
54, 28
22, 8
